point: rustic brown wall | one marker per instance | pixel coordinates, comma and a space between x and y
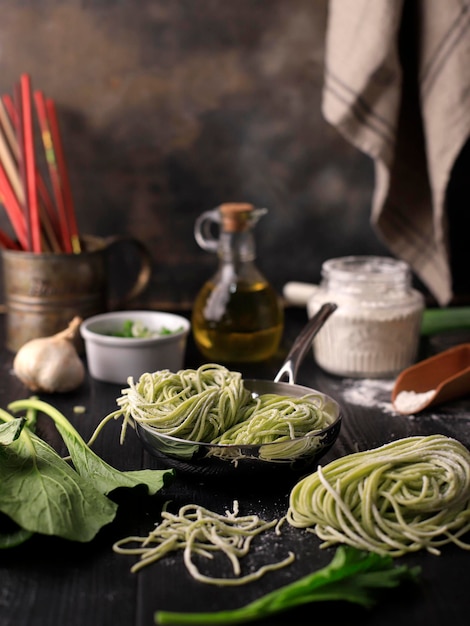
169, 107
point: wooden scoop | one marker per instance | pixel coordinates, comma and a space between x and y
445, 376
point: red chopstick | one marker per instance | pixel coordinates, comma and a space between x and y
18, 108
30, 162
42, 215
13, 209
63, 173
9, 156
54, 173
48, 216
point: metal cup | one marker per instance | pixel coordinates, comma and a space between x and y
43, 292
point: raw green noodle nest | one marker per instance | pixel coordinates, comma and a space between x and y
408, 495
211, 405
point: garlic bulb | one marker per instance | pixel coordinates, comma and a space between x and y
51, 364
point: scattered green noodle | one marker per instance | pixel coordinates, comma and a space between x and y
407, 495
201, 532
212, 405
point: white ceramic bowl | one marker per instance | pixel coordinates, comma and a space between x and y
113, 359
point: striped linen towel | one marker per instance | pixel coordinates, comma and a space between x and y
397, 86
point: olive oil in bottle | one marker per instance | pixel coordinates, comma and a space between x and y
237, 315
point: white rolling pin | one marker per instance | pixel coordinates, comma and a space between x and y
298, 293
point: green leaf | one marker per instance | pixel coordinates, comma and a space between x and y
87, 463
43, 494
12, 535
10, 431
352, 575
15, 538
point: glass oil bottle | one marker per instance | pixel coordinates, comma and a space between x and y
237, 315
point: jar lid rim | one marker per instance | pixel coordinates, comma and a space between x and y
366, 267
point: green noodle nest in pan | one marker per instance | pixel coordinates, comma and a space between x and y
211, 405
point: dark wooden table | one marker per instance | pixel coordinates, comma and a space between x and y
52, 582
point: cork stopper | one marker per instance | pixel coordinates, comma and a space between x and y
236, 216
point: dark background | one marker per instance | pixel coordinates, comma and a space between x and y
170, 107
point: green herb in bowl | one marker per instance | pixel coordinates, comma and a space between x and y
136, 329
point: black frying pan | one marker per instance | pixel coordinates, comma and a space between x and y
276, 460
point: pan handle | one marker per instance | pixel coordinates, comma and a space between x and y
288, 371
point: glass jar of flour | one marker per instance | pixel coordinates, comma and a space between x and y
374, 332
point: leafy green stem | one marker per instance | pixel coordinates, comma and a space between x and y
34, 404
87, 463
42, 493
352, 575
6, 417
